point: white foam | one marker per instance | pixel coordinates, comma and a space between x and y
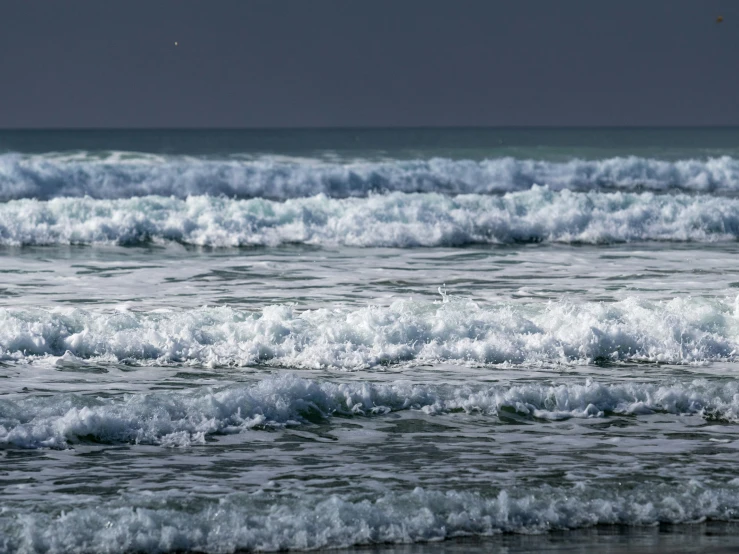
394, 220
683, 330
185, 418
263, 522
123, 175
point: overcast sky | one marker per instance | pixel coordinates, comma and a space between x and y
263, 63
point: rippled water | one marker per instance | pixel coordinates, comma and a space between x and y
336, 384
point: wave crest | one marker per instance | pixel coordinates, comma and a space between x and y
683, 330
125, 175
394, 220
258, 522
182, 419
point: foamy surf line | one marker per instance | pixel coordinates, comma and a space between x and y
393, 220
259, 522
681, 331
186, 418
126, 174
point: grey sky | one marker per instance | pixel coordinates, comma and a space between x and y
244, 63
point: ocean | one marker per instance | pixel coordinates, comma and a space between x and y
375, 340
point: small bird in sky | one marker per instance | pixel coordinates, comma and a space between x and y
719, 19
175, 43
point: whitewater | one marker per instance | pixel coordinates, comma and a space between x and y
678, 331
408, 340
395, 220
131, 174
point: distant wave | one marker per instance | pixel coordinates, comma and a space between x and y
682, 331
125, 175
391, 220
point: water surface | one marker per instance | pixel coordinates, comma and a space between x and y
514, 339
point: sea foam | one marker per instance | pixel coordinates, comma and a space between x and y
392, 220
126, 174
261, 521
680, 331
186, 418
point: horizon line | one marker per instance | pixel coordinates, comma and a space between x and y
372, 128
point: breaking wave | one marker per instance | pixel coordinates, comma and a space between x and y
394, 220
186, 418
681, 331
125, 175
258, 522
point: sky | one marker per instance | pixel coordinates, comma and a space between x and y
346, 63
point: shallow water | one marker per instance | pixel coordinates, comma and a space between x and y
185, 277
541, 372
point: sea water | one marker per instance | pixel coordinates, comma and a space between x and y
227, 341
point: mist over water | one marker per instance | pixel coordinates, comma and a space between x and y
265, 340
